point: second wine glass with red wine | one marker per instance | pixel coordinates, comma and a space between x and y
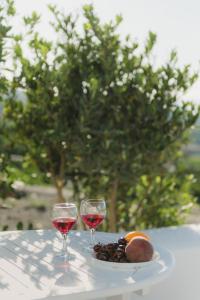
64, 217
93, 212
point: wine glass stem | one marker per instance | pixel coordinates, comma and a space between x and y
92, 236
64, 248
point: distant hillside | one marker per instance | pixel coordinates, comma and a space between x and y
195, 134
193, 147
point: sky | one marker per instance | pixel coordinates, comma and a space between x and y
176, 23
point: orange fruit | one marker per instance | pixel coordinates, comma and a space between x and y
133, 234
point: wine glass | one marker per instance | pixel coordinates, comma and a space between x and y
93, 212
64, 217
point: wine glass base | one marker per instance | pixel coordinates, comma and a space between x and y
61, 260
88, 249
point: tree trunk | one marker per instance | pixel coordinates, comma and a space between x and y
112, 214
59, 184
58, 179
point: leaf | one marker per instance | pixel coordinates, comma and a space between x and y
18, 50
118, 19
151, 40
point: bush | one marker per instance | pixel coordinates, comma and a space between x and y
161, 201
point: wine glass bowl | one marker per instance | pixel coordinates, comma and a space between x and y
64, 217
92, 220
93, 212
63, 224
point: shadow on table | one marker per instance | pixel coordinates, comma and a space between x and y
33, 255
67, 278
2, 284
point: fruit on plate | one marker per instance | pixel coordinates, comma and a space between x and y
113, 252
139, 249
133, 234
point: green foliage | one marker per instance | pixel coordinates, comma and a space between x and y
167, 197
6, 10
191, 165
30, 175
30, 226
134, 122
5, 228
100, 114
19, 226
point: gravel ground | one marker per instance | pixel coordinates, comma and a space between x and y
194, 216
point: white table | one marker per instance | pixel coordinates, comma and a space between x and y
28, 269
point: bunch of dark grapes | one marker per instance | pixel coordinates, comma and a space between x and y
113, 252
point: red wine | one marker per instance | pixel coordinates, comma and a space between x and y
64, 224
92, 220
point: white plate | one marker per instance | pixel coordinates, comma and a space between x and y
124, 266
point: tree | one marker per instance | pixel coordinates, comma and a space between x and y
48, 121
135, 121
6, 10
98, 112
